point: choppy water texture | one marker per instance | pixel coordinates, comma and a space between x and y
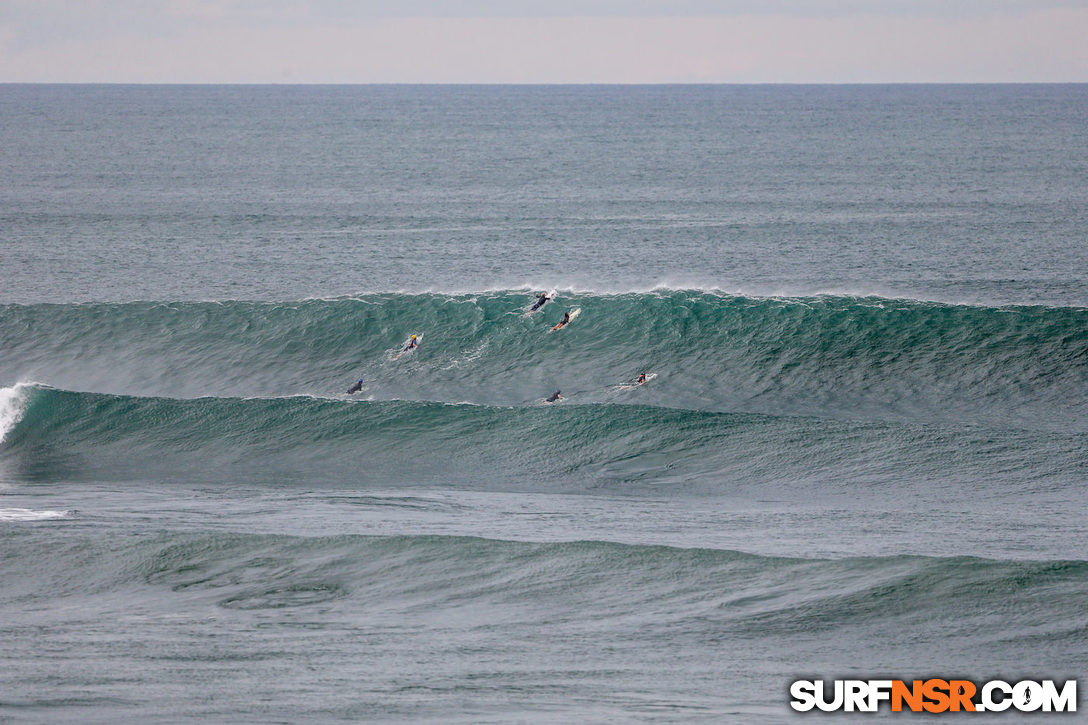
861, 451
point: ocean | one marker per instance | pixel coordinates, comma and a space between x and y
861, 452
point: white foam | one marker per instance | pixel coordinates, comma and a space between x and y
30, 515
12, 406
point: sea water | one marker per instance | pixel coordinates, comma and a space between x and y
862, 452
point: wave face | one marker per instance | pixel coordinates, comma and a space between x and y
68, 435
250, 571
599, 619
748, 391
823, 356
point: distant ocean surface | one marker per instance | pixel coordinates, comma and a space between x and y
862, 451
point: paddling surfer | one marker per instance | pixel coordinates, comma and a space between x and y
540, 300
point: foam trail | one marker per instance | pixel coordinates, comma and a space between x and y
19, 514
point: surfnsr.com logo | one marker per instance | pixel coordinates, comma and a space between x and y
933, 695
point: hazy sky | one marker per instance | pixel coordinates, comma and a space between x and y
530, 41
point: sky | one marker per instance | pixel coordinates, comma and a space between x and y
531, 41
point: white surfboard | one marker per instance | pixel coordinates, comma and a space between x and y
573, 313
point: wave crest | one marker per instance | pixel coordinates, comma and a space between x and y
12, 406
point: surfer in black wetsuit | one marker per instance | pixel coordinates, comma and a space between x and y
540, 300
355, 388
412, 344
554, 397
641, 379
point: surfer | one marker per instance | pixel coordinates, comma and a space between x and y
554, 397
563, 322
412, 345
642, 379
355, 388
540, 300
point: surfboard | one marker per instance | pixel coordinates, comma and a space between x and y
403, 352
550, 295
573, 313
